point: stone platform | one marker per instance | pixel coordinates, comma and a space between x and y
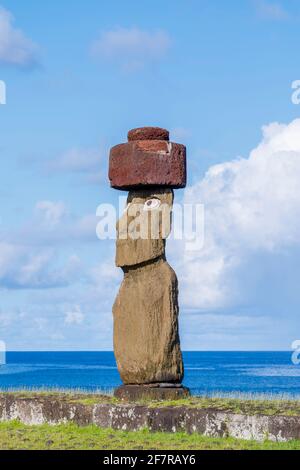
107, 412
152, 391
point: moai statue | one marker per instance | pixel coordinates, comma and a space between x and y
146, 339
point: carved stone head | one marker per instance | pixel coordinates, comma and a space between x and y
144, 226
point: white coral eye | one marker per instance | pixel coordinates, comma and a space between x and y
151, 204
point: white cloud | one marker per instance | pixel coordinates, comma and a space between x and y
74, 316
31, 268
131, 48
31, 256
251, 206
51, 224
36, 268
50, 213
5, 320
57, 337
270, 10
105, 271
15, 47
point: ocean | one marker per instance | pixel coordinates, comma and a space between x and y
206, 373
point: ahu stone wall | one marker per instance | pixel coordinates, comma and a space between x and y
55, 409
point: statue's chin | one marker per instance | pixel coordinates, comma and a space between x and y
134, 252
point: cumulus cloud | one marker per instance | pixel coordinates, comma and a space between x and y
252, 206
104, 279
31, 256
6, 318
131, 48
59, 290
15, 48
21, 268
50, 213
270, 10
53, 224
74, 316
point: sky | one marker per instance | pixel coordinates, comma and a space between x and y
218, 75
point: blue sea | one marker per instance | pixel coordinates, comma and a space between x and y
206, 373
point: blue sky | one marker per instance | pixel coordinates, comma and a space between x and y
79, 75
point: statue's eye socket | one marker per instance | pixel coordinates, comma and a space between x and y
151, 204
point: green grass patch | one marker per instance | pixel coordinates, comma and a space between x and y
240, 406
14, 435
65, 396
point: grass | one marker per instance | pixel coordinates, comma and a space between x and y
239, 406
17, 436
106, 392
70, 396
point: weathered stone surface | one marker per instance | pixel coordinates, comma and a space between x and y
40, 409
52, 409
148, 133
133, 393
146, 340
132, 417
143, 163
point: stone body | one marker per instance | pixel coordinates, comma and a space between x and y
146, 339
